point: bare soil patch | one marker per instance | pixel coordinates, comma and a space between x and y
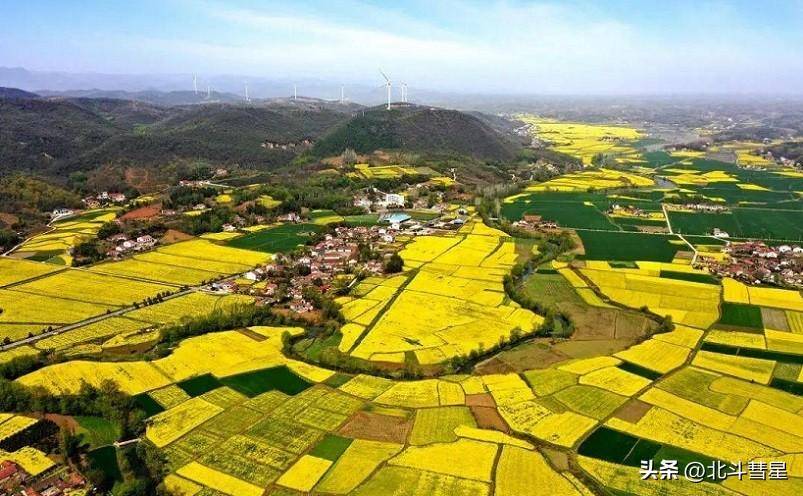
377, 427
633, 410
537, 354
146, 212
774, 319
489, 418
598, 323
558, 459
592, 348
173, 236
483, 399
63, 421
251, 334
8, 219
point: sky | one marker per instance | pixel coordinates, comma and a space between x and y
494, 47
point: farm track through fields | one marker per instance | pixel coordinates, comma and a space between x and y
91, 320
33, 279
382, 312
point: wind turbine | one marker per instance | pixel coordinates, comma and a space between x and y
404, 92
295, 92
247, 99
387, 85
208, 92
342, 94
195, 83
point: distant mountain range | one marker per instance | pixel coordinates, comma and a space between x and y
223, 88
57, 135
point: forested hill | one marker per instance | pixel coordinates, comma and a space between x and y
56, 136
418, 129
35, 133
253, 136
15, 94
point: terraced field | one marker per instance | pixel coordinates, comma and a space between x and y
53, 245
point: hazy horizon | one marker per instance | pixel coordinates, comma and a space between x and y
610, 48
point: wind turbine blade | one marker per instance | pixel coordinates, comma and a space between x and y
384, 75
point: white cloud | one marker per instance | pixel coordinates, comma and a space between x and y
490, 47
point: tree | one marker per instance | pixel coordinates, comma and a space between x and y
8, 239
69, 443
109, 229
349, 156
394, 264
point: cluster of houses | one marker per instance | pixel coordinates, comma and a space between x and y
373, 199
340, 255
706, 207
104, 199
756, 263
122, 245
629, 210
57, 481
273, 145
337, 255
534, 222
195, 183
59, 213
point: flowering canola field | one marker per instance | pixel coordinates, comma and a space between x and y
450, 303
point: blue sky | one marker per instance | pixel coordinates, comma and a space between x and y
594, 47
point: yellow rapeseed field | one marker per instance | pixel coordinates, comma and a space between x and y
585, 140
218, 481
590, 364
66, 378
19, 351
305, 473
748, 368
14, 271
521, 472
356, 464
736, 338
12, 424
655, 355
166, 427
491, 436
587, 180
665, 427
453, 305
169, 396
616, 380
627, 479
180, 486
415, 394
476, 459
221, 353
691, 303
691, 410
30, 459
734, 291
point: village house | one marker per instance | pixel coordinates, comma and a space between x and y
225, 286
290, 217
754, 262
194, 184
706, 207
61, 212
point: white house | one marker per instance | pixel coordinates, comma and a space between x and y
61, 212
393, 199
